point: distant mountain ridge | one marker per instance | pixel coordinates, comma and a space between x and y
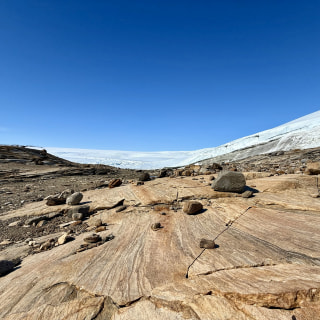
302, 133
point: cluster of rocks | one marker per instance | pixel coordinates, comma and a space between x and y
275, 163
227, 181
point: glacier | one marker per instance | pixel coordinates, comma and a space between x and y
302, 133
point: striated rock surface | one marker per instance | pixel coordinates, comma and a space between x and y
265, 265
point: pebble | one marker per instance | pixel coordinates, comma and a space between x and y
15, 223
92, 239
156, 226
101, 228
64, 239
5, 242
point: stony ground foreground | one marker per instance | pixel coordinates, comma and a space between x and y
266, 264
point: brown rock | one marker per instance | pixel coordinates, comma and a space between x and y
156, 226
207, 244
115, 183
192, 207
75, 223
64, 239
121, 208
101, 228
145, 176
92, 239
47, 245
313, 168
94, 222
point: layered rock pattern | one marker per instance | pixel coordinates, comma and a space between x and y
265, 264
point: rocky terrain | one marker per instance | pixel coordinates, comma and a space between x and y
200, 242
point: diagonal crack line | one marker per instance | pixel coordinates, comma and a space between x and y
228, 225
257, 265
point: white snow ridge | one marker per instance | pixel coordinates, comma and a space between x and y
302, 133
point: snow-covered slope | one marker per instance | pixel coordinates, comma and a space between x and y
301, 133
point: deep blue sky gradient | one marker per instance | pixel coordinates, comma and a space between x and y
154, 75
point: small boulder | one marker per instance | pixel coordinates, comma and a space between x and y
94, 222
74, 199
207, 244
156, 226
115, 183
6, 266
229, 181
92, 239
192, 207
145, 176
313, 168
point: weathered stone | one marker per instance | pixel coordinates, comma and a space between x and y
186, 173
75, 223
145, 176
156, 226
247, 194
52, 215
100, 229
92, 239
115, 183
94, 222
121, 208
55, 201
74, 199
42, 223
229, 181
207, 244
59, 198
77, 216
6, 266
47, 245
192, 207
84, 209
313, 168
64, 239
5, 242
15, 223
235, 281
34, 220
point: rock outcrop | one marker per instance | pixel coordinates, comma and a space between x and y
265, 263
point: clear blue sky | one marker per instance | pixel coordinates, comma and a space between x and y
154, 75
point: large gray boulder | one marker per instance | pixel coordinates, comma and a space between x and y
229, 181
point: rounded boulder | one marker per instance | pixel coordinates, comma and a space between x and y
74, 199
229, 181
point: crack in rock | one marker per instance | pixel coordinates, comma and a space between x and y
283, 300
257, 265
